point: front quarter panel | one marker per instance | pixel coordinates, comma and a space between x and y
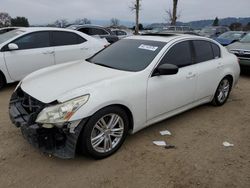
129, 91
4, 69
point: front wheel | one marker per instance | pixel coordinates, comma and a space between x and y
222, 92
105, 132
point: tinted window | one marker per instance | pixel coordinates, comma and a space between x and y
179, 55
33, 40
96, 31
85, 30
60, 38
216, 50
172, 28
128, 54
121, 33
203, 51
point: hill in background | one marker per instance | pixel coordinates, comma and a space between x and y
203, 23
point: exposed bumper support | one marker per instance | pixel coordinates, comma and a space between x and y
61, 143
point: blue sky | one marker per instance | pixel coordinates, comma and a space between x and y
47, 11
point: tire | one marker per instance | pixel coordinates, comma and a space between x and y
2, 80
97, 139
222, 92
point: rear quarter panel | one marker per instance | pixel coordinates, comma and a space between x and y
231, 65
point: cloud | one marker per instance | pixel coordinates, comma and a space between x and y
47, 11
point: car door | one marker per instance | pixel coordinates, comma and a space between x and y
208, 64
34, 52
70, 46
170, 92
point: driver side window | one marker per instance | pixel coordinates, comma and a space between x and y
179, 55
33, 40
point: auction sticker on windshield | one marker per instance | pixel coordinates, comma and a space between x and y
148, 47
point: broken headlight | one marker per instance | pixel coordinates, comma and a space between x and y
62, 112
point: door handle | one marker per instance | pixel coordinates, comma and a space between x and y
190, 75
48, 52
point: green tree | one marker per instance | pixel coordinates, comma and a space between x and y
20, 21
235, 26
247, 27
216, 22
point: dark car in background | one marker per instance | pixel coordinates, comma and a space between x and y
7, 29
242, 50
230, 37
213, 31
172, 30
94, 30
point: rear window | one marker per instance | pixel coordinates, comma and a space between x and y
203, 51
61, 38
216, 50
128, 54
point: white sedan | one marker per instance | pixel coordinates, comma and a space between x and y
128, 86
25, 50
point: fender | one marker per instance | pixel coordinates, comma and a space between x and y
4, 69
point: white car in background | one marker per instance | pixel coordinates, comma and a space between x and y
7, 29
122, 33
124, 88
25, 50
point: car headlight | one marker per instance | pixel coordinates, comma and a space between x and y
62, 112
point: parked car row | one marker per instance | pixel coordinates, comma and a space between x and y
241, 49
230, 37
94, 30
25, 50
93, 104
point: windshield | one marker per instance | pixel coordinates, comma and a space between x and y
128, 54
246, 38
6, 36
231, 35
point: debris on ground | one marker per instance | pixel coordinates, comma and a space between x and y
227, 144
166, 132
170, 146
160, 143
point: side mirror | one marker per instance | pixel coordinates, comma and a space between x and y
12, 46
166, 69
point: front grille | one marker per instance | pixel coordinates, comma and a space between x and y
29, 104
242, 54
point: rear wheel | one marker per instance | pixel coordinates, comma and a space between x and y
105, 132
222, 92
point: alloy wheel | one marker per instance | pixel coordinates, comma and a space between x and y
107, 133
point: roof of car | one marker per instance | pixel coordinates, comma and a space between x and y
33, 29
85, 25
164, 37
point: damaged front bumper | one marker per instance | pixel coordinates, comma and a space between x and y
60, 142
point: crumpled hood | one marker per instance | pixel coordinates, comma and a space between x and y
49, 84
